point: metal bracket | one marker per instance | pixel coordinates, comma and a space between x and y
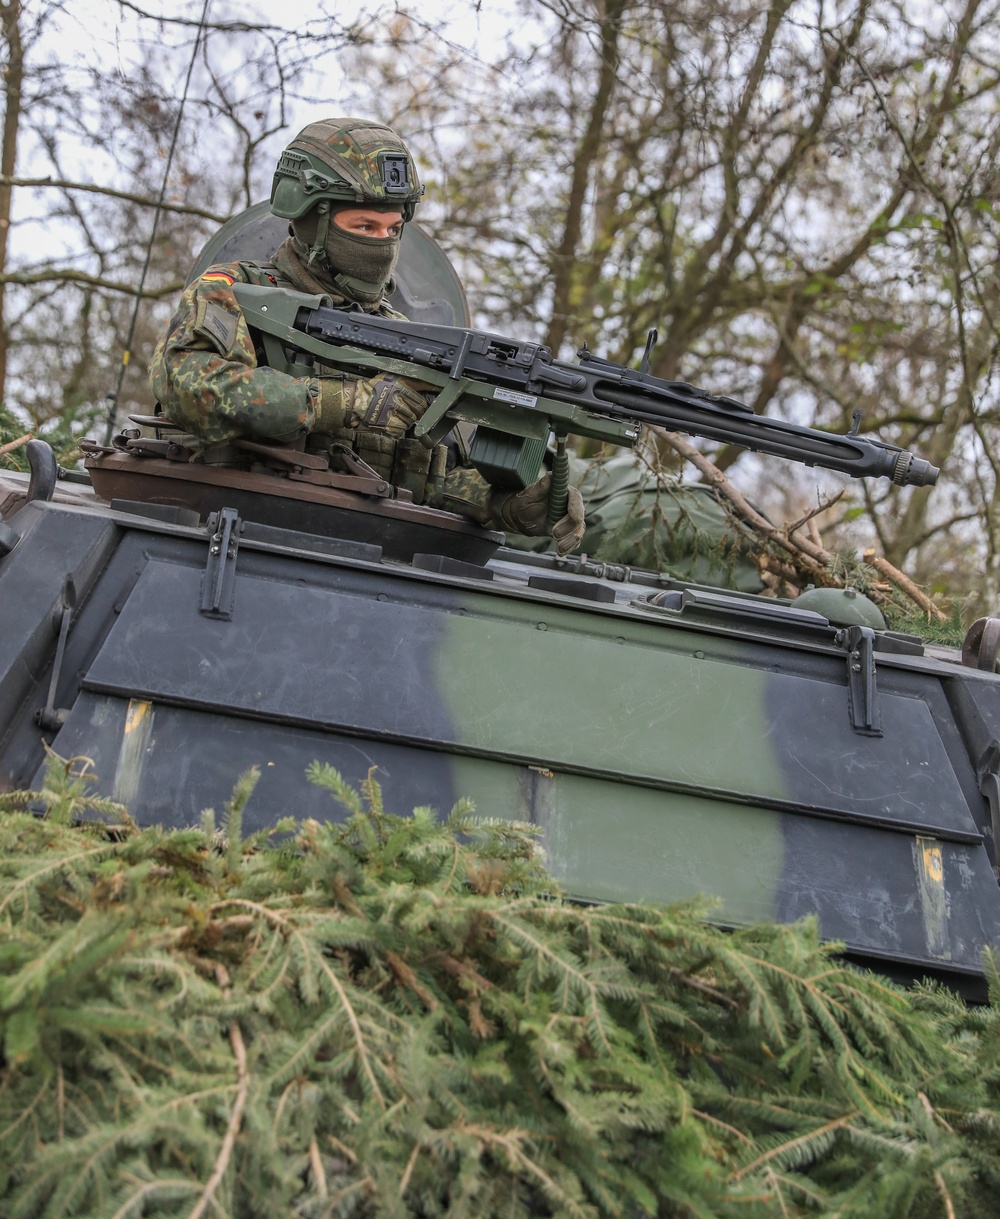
285, 455
988, 774
44, 470
866, 714
218, 584
359, 476
146, 446
51, 718
981, 646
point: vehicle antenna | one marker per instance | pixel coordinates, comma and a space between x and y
115, 395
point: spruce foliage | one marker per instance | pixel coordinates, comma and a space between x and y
63, 432
399, 1016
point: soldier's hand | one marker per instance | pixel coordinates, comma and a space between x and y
527, 512
388, 404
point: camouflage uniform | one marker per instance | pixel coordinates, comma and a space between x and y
204, 371
640, 520
205, 374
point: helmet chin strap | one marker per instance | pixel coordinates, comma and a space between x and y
317, 251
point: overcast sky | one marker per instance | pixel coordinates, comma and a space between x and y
102, 32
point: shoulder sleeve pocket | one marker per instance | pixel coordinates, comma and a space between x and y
216, 325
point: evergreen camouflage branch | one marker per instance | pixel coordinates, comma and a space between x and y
400, 1016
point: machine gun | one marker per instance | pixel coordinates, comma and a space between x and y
516, 395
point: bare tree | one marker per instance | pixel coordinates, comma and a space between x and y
799, 197
118, 175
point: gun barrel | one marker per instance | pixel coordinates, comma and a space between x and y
848, 453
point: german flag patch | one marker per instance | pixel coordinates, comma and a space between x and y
216, 277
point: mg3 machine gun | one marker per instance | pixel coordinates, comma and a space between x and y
177, 621
516, 395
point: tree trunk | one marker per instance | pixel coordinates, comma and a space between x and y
10, 15
564, 262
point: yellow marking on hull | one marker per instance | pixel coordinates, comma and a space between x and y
933, 863
929, 861
138, 712
135, 737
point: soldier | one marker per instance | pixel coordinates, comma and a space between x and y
347, 186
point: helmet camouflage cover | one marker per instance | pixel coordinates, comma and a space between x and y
346, 160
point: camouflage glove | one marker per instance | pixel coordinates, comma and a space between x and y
385, 403
527, 512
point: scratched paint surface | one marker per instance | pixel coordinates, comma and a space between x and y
135, 741
690, 710
659, 762
929, 860
478, 674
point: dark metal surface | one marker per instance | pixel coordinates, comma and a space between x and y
871, 891
981, 646
866, 713
55, 545
400, 528
218, 582
44, 470
8, 538
355, 675
705, 744
50, 717
189, 759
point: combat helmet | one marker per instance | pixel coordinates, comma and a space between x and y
343, 161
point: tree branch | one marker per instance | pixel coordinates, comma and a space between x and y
565, 257
814, 558
11, 445
235, 1118
68, 275
905, 584
95, 189
237, 27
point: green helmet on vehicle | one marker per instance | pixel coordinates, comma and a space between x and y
345, 161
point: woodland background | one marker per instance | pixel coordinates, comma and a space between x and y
800, 196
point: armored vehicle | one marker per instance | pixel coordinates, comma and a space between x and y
177, 622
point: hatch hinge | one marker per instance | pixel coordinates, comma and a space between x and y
218, 584
866, 714
51, 718
988, 774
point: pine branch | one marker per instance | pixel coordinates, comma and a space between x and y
409, 1033
235, 1118
786, 1150
904, 583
